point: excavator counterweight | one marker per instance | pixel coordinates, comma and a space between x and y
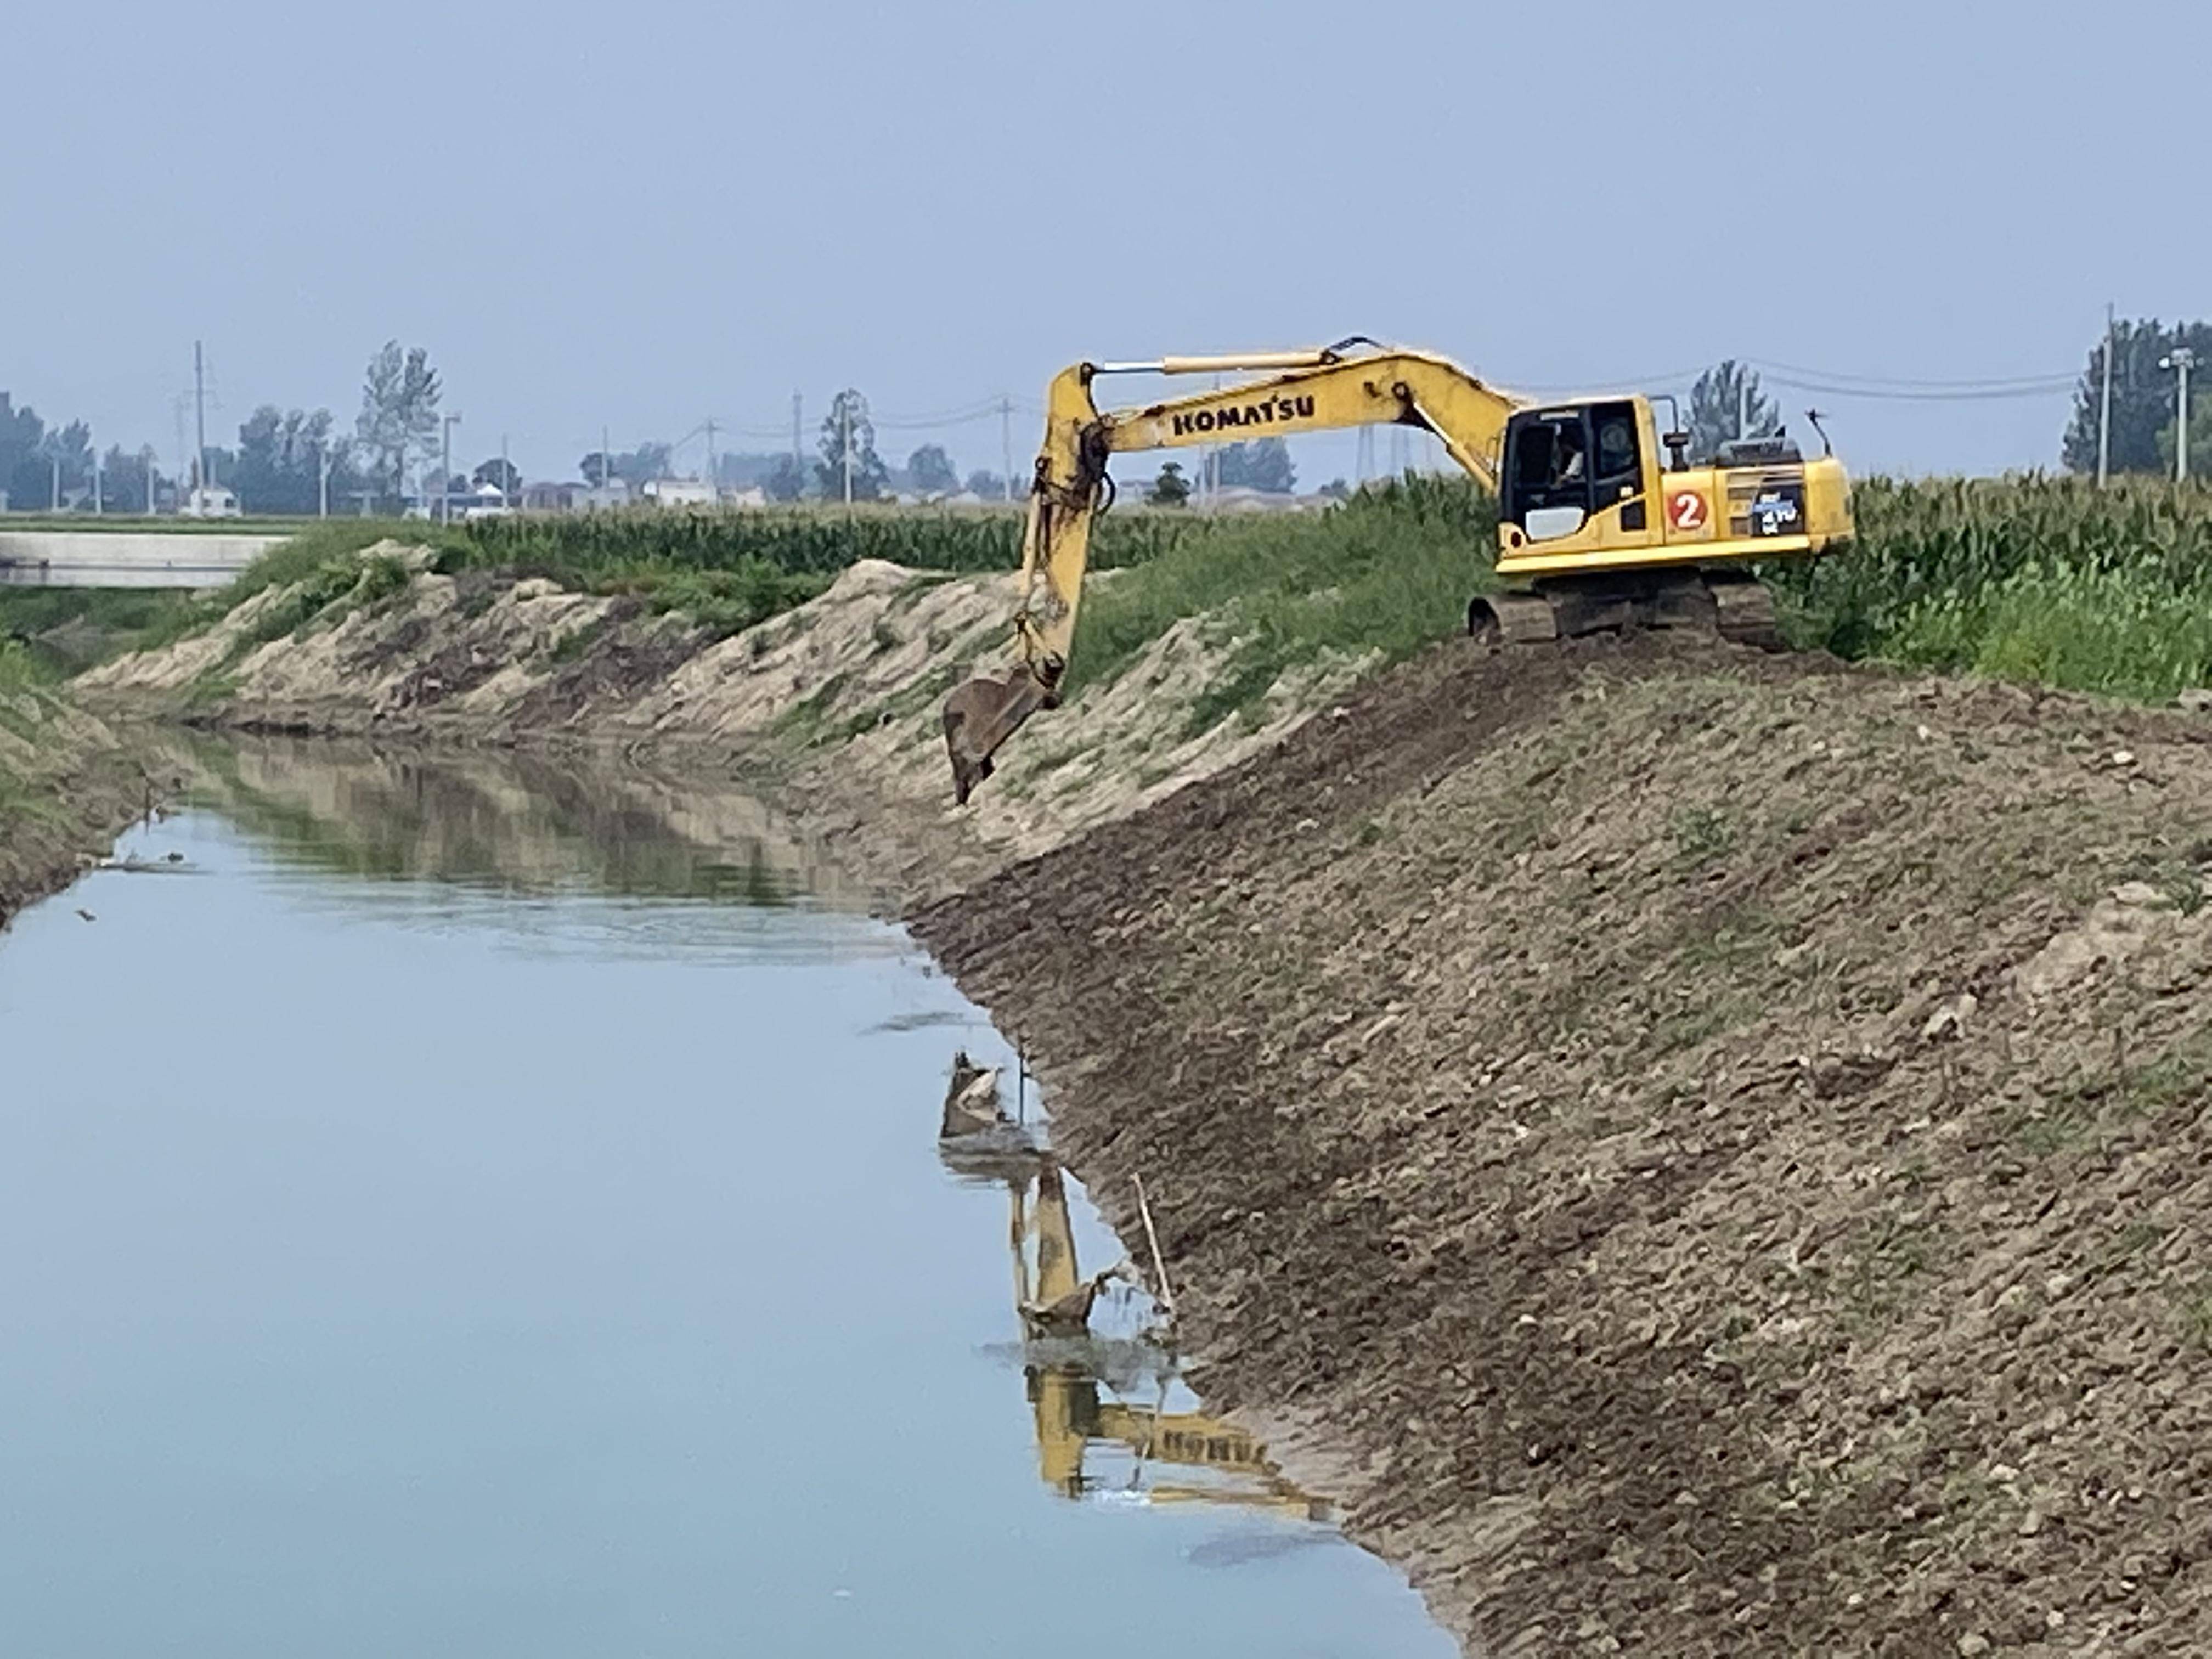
1597, 530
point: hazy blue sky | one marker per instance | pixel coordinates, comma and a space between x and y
643, 214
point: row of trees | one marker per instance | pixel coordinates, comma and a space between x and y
279, 465
2143, 401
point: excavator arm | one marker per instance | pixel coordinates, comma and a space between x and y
1301, 392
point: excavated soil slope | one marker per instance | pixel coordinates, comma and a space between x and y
67, 783
1703, 1154
838, 699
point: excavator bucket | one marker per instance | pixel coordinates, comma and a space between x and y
981, 716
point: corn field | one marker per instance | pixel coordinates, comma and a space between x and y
2034, 578
815, 540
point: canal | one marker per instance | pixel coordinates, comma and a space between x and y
478, 1206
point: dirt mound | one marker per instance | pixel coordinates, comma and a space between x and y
1705, 1150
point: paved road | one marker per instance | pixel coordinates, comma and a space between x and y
112, 558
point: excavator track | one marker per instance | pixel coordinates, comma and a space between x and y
1728, 604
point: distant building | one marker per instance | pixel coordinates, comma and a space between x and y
548, 497
209, 501
486, 501
593, 498
678, 492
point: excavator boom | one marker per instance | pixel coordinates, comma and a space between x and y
1305, 391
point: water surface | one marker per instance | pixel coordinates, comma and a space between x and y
472, 1208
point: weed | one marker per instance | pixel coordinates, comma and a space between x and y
1702, 835
576, 644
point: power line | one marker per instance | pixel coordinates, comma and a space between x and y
1832, 389
1906, 383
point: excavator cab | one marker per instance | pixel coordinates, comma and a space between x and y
1564, 464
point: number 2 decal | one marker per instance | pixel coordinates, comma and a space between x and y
1686, 510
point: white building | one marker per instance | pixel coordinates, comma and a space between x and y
678, 492
208, 501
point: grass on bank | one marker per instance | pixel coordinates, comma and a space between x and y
1387, 572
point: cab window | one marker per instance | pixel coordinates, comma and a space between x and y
1619, 469
1549, 464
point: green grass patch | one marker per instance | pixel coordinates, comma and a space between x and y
1386, 573
64, 630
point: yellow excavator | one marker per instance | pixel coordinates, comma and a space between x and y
1596, 530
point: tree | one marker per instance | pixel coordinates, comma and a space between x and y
742, 469
281, 457
399, 413
2142, 399
66, 453
1723, 395
639, 466
500, 473
786, 481
1337, 489
930, 470
848, 436
989, 485
633, 466
1171, 489
124, 480
1262, 464
2200, 435
23, 472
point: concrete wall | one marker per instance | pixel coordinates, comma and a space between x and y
112, 558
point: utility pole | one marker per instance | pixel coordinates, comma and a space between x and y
506, 473
322, 481
199, 417
2105, 407
713, 480
97, 506
1743, 402
606, 458
446, 424
184, 466
798, 457
845, 419
1006, 441
2181, 360
146, 455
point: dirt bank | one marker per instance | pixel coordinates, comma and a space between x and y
68, 782
1704, 1153
837, 702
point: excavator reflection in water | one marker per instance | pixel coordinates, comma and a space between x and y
1076, 1375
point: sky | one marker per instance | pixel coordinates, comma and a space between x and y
639, 217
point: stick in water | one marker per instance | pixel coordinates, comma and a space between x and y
1159, 1267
